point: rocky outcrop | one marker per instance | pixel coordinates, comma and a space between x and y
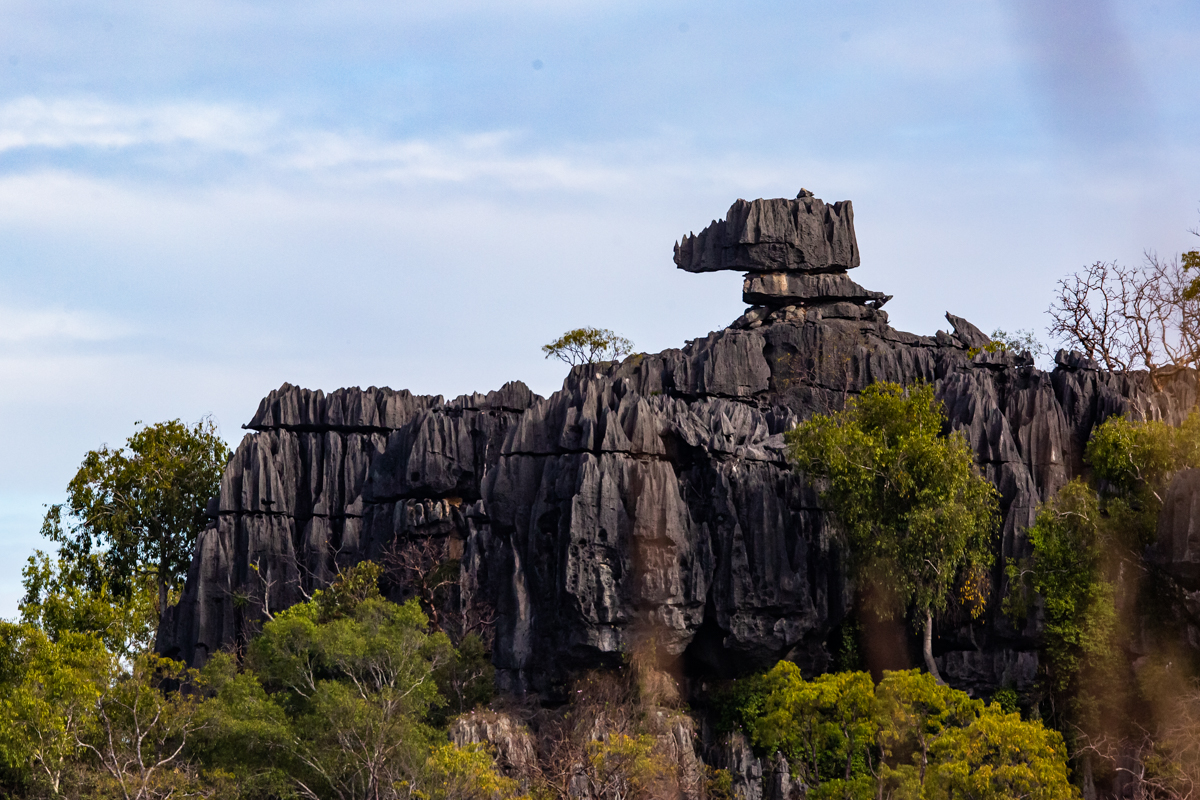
787, 288
774, 235
651, 497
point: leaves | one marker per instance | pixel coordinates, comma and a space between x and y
909, 736
588, 346
135, 511
913, 508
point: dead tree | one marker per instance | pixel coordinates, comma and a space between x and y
424, 566
1131, 318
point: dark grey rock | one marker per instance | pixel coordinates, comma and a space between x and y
967, 333
773, 235
789, 288
1177, 549
651, 496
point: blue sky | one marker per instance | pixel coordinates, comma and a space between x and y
201, 200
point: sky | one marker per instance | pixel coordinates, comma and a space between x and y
202, 200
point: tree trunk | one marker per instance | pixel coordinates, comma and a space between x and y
930, 664
162, 583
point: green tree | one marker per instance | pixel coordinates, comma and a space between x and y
915, 712
908, 737
58, 601
1085, 541
825, 727
999, 756
76, 719
341, 688
140, 507
466, 773
914, 510
47, 704
588, 346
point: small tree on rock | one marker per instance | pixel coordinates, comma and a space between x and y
588, 346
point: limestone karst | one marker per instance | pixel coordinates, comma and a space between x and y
652, 497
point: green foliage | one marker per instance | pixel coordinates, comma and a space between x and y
467, 679
1022, 341
739, 702
1008, 700
139, 508
1080, 540
350, 677
825, 727
908, 737
588, 346
916, 514
76, 719
350, 589
1069, 544
620, 765
58, 601
466, 773
997, 757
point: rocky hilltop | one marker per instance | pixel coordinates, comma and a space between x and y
652, 497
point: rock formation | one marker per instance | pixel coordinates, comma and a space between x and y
653, 497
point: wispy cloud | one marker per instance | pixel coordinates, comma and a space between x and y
30, 326
31, 122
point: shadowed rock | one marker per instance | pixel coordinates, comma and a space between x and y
789, 288
803, 234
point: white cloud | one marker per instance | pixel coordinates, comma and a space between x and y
29, 326
30, 122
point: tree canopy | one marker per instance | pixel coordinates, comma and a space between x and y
909, 736
918, 517
588, 346
133, 513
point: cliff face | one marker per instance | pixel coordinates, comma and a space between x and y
650, 499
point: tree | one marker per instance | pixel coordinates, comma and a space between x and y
909, 736
1129, 318
140, 507
824, 727
58, 602
588, 346
81, 721
355, 675
914, 510
1087, 547
466, 773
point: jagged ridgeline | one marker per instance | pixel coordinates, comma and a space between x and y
651, 500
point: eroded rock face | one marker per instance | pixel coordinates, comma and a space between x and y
772, 235
651, 498
648, 496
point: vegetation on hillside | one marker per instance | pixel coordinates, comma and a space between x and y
916, 514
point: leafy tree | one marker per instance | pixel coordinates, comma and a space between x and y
354, 677
908, 737
77, 719
1022, 341
621, 766
588, 346
917, 515
140, 731
140, 507
915, 713
1000, 756
58, 601
48, 702
466, 773
824, 727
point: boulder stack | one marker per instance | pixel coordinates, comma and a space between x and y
795, 254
